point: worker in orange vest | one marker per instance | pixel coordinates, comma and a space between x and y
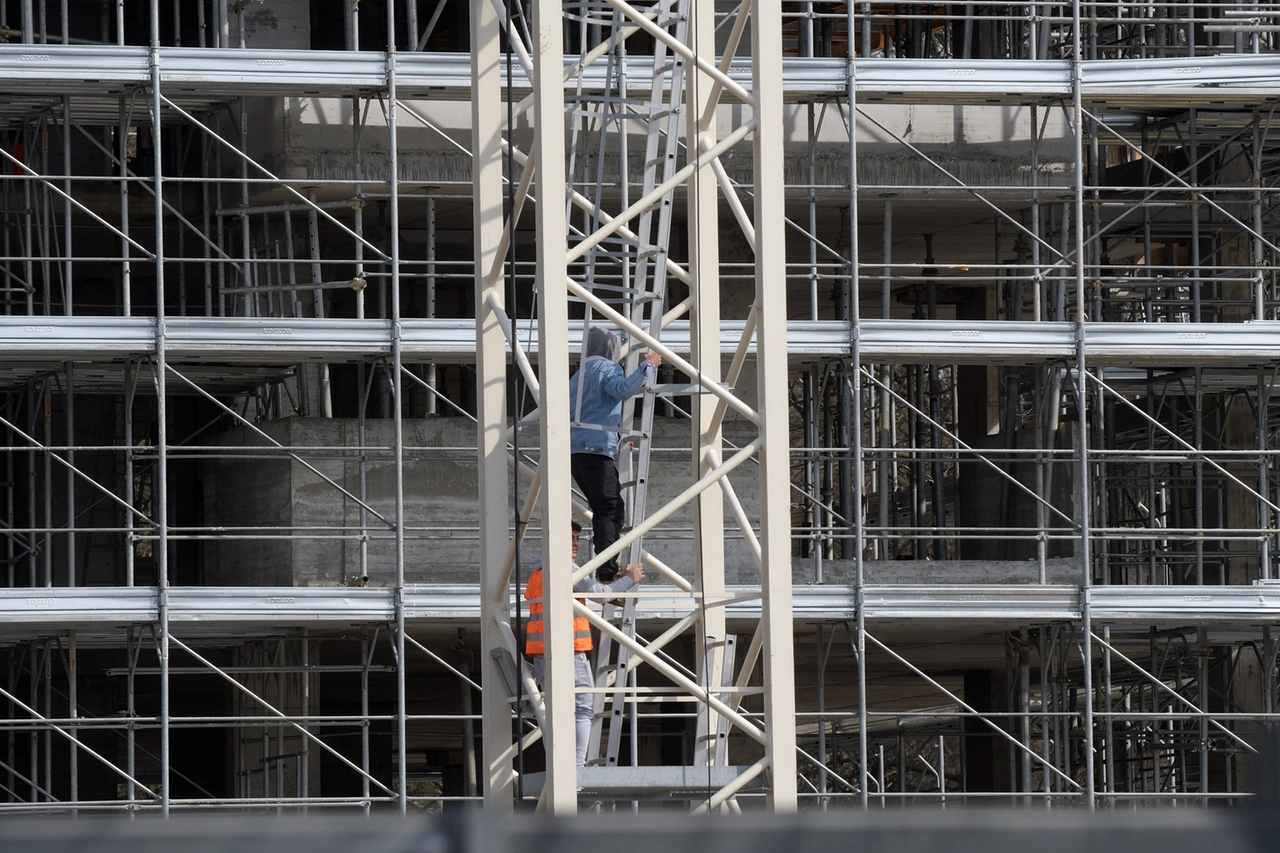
584, 704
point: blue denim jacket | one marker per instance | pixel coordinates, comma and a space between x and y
604, 387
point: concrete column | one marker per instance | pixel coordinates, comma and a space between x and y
986, 754
1240, 505
1248, 696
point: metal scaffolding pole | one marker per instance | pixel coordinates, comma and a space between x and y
430, 370
397, 415
883, 465
160, 504
367, 650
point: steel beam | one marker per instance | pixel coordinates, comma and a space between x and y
775, 415
560, 795
703, 212
491, 410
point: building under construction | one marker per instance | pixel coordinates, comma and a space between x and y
955, 486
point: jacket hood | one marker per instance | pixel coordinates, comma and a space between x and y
602, 343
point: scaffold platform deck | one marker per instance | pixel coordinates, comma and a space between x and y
193, 75
57, 608
264, 340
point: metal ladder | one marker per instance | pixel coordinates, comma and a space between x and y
647, 295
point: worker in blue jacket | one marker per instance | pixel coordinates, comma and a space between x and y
596, 393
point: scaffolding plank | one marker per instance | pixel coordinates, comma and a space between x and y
973, 602
67, 608
47, 67
425, 603
87, 338
1182, 74
251, 339
1120, 344
288, 605
294, 72
1231, 80
893, 79
254, 340
976, 341
1185, 605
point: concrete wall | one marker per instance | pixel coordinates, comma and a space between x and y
982, 489
311, 138
440, 505
441, 512
281, 24
248, 493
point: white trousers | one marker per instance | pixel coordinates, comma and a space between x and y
584, 704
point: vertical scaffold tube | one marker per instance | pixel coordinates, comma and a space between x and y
1082, 396
859, 471
398, 411
161, 493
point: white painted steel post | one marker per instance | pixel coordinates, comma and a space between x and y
704, 335
771, 366
560, 793
491, 408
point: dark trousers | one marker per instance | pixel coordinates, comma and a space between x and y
597, 476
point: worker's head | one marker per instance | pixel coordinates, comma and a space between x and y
576, 532
602, 342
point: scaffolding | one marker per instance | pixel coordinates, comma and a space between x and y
1000, 525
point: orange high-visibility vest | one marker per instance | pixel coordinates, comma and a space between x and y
533, 634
